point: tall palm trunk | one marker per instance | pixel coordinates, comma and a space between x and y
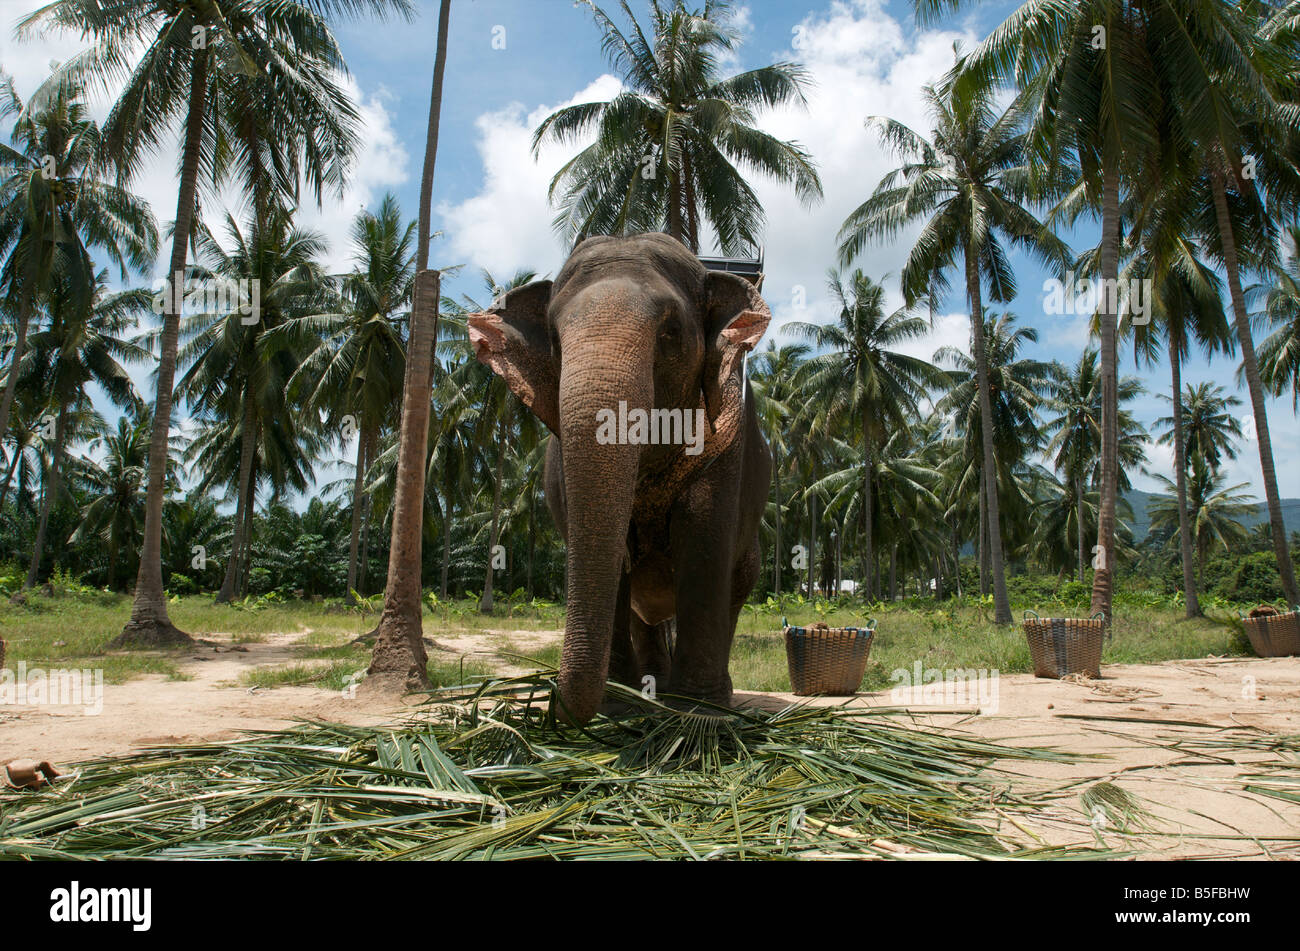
399, 644
812, 544
247, 440
9, 473
1001, 605
149, 624
50, 496
358, 503
868, 528
15, 357
982, 543
485, 602
776, 562
1250, 366
1103, 578
1180, 475
1078, 527
446, 545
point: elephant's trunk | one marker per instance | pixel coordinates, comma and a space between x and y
599, 485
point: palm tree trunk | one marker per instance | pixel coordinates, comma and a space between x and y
247, 441
780, 552
868, 547
485, 602
1001, 605
1103, 578
15, 357
532, 539
446, 545
354, 540
50, 495
367, 515
149, 624
1250, 366
893, 572
246, 552
1078, 526
812, 543
9, 473
692, 219
399, 639
1180, 474
982, 545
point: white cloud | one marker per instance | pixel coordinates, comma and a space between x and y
507, 225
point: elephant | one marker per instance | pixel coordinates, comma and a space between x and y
657, 472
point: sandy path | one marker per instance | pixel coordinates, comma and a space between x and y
1192, 797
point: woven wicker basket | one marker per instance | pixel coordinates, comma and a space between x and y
1276, 635
1061, 646
827, 660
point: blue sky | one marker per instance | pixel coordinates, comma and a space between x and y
864, 57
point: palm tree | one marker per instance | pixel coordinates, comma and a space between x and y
356, 358
114, 517
187, 50
967, 182
81, 345
1016, 385
238, 381
1074, 434
497, 414
1279, 353
1210, 427
399, 654
1185, 305
1216, 511
666, 148
54, 208
774, 375
861, 381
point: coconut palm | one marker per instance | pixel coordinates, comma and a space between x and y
114, 515
1216, 511
666, 148
861, 380
1074, 433
82, 342
967, 183
234, 382
399, 655
55, 208
1210, 425
1279, 353
356, 357
773, 373
188, 48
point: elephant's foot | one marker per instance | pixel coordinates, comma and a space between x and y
716, 692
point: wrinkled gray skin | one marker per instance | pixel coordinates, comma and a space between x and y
652, 532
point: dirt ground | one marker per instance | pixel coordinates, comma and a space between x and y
1197, 804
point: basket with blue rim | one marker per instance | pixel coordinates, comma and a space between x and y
827, 660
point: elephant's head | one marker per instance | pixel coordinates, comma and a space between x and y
637, 321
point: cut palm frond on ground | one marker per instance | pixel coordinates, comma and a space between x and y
486, 775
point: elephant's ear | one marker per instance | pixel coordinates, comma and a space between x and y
735, 321
513, 338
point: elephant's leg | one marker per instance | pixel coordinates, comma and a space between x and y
653, 658
623, 667
703, 552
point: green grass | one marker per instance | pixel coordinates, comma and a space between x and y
72, 628
959, 634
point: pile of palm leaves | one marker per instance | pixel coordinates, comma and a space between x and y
487, 775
